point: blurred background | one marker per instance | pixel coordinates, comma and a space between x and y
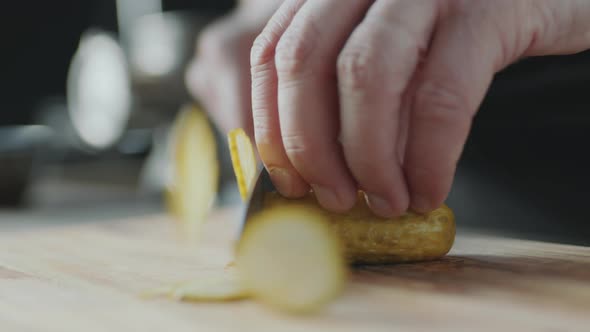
89, 91
90, 88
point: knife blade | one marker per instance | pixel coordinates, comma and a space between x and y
255, 202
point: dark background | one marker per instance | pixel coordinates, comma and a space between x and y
40, 37
525, 167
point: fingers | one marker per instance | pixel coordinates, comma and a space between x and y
374, 69
401, 95
295, 98
308, 97
450, 86
219, 77
265, 104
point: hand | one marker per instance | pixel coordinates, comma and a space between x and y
219, 75
380, 95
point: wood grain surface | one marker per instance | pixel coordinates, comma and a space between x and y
88, 277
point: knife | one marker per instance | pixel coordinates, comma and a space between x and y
255, 202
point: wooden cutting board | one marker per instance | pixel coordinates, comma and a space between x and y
88, 277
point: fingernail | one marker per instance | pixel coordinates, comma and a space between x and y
283, 180
327, 197
380, 206
420, 204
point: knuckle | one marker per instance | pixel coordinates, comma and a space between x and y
263, 127
439, 100
261, 80
262, 50
406, 35
365, 62
261, 54
264, 47
362, 63
299, 148
354, 67
295, 48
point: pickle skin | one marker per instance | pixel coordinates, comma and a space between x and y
369, 239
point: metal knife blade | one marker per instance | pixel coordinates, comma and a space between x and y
255, 202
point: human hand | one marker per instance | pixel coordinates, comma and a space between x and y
219, 75
380, 95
